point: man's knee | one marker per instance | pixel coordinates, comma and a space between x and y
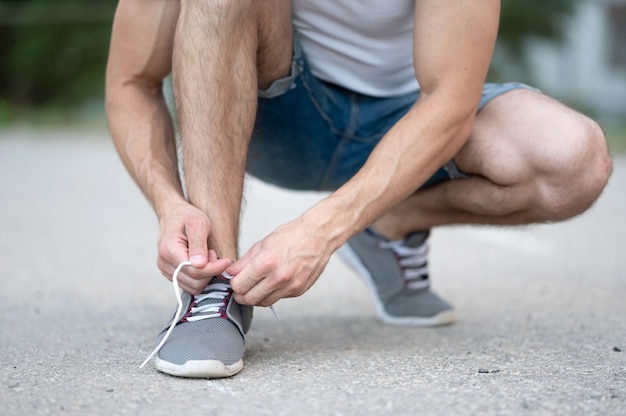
582, 171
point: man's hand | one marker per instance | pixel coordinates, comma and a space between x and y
284, 264
183, 236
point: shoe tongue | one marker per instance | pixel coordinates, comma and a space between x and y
416, 239
219, 279
208, 289
413, 240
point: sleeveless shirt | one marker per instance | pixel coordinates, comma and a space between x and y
362, 45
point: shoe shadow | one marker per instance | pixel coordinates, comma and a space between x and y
298, 339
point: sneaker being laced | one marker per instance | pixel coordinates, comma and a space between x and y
397, 274
208, 340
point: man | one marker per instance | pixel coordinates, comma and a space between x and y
383, 103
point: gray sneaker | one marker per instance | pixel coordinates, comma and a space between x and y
209, 340
397, 274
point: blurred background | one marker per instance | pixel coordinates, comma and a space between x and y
81, 297
53, 56
52, 61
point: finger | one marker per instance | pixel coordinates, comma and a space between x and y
219, 264
255, 295
213, 256
197, 232
205, 274
271, 299
171, 254
216, 267
268, 286
265, 293
249, 278
190, 284
244, 261
275, 289
166, 269
258, 300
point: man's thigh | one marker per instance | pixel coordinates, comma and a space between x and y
274, 45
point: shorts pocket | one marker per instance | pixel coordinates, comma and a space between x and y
281, 85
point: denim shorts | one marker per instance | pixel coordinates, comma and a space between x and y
313, 135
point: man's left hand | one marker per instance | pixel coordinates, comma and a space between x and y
284, 264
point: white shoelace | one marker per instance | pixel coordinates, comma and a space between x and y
413, 262
211, 310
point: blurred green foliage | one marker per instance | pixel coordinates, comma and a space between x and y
522, 18
616, 137
53, 52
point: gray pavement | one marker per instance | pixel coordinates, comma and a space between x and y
542, 309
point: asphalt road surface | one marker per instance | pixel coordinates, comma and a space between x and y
542, 309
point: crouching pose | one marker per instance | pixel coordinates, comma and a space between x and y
382, 103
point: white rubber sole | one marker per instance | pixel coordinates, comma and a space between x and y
347, 254
199, 368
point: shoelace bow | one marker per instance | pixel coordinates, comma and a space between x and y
219, 291
413, 262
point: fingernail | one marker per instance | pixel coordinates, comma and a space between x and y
197, 259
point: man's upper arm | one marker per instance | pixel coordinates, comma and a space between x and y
141, 42
453, 46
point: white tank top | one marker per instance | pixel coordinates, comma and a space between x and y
362, 45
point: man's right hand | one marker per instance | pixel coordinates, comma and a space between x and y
184, 233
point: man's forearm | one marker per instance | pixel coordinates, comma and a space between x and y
424, 140
453, 44
143, 135
139, 59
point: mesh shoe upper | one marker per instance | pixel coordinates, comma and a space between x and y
212, 329
397, 273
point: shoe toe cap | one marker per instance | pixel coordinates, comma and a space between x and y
421, 303
205, 340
